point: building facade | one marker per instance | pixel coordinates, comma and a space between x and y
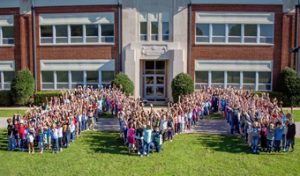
221, 43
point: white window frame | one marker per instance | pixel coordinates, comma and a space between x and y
2, 38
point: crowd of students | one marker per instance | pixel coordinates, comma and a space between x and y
60, 120
57, 123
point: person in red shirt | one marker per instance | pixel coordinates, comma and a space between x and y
22, 137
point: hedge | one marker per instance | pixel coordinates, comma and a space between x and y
40, 97
182, 84
5, 98
280, 97
123, 82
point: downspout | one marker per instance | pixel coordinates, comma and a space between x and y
120, 35
34, 42
189, 39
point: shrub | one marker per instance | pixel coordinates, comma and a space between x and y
289, 85
182, 84
5, 98
124, 83
42, 96
22, 87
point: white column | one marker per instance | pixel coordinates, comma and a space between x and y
69, 34
99, 33
84, 33
225, 79
256, 81
160, 27
84, 78
55, 80
70, 79
100, 78
210, 33
209, 79
1, 36
241, 79
258, 33
243, 33
226, 33
54, 34
2, 80
149, 28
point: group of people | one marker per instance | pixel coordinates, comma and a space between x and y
57, 123
60, 120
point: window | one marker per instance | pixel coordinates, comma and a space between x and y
217, 78
8, 35
266, 33
143, 31
107, 76
61, 33
249, 80
8, 76
107, 33
250, 34
166, 31
202, 33
77, 78
46, 34
76, 34
62, 78
201, 78
154, 31
234, 34
265, 80
47, 80
218, 33
91, 33
233, 79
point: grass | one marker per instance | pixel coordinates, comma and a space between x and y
296, 114
106, 115
11, 112
101, 153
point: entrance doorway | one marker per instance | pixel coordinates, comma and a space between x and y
154, 77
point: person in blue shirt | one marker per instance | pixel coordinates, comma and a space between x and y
147, 140
278, 136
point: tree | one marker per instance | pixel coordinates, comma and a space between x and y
289, 85
182, 84
124, 83
22, 87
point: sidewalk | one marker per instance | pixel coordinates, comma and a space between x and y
11, 108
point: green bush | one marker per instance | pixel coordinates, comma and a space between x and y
42, 96
5, 98
124, 83
182, 84
22, 87
289, 85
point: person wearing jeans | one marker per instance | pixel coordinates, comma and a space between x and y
290, 136
147, 140
255, 137
54, 139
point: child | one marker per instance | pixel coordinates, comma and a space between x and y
278, 136
139, 139
54, 139
131, 138
270, 137
10, 133
30, 142
157, 140
60, 137
290, 136
147, 140
170, 129
255, 137
41, 139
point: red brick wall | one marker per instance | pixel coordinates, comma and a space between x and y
242, 52
77, 51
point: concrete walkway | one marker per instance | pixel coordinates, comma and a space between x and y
107, 124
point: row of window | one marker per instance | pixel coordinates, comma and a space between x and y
5, 79
154, 33
88, 33
73, 79
7, 35
248, 80
235, 33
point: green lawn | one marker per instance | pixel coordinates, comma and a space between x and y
11, 112
296, 115
97, 153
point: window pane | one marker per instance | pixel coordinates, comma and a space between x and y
217, 77
61, 30
62, 76
143, 28
234, 29
149, 65
250, 30
91, 30
201, 77
9, 76
107, 30
8, 32
77, 76
233, 77
76, 30
265, 77
108, 76
46, 31
154, 27
266, 30
249, 77
218, 29
160, 65
166, 31
202, 30
92, 77
47, 77
264, 87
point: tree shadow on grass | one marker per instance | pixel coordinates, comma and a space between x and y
224, 143
105, 142
3, 140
